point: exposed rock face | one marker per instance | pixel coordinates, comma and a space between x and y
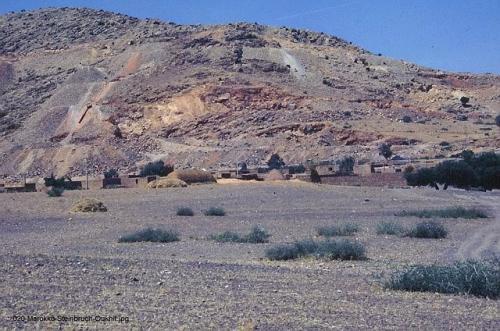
84, 89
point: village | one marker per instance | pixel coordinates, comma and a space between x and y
387, 173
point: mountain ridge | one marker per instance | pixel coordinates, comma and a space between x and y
85, 87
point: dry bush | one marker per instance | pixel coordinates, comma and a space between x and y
193, 176
88, 205
167, 182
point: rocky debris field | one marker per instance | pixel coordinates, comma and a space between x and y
62, 264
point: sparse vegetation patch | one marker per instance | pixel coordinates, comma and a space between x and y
151, 235
451, 212
184, 211
390, 228
429, 230
258, 235
215, 211
347, 229
341, 249
480, 279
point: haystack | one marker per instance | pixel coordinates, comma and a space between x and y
274, 174
167, 182
193, 176
87, 205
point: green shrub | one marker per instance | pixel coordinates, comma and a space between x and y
385, 150
342, 249
111, 173
157, 168
390, 228
275, 162
346, 165
185, 211
347, 229
151, 235
258, 235
52, 181
215, 211
451, 212
283, 252
55, 192
471, 277
329, 249
227, 236
306, 247
430, 230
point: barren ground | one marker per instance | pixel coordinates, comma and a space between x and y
61, 264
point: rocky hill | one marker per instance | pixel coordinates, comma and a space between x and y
81, 87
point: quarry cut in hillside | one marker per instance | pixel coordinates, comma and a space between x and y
84, 88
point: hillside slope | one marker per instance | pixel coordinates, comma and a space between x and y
83, 87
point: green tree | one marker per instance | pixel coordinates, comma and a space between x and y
275, 162
385, 150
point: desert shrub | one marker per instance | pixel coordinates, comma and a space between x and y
283, 252
306, 247
87, 205
192, 176
275, 162
347, 229
227, 236
497, 120
156, 168
476, 278
407, 119
451, 212
342, 249
346, 165
258, 235
429, 230
55, 191
184, 211
215, 211
111, 173
390, 228
329, 249
385, 150
151, 235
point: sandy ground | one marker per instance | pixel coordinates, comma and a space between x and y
58, 264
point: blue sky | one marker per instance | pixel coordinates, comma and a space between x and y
456, 35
